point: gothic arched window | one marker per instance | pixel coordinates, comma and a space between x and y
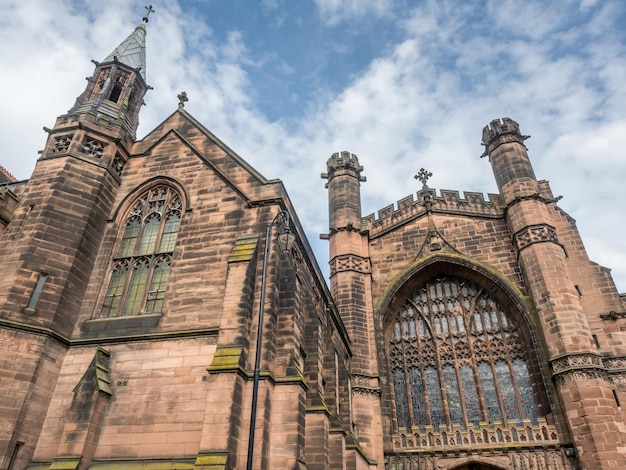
457, 362
142, 264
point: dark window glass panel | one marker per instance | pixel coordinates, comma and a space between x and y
115, 291
149, 235
525, 390
434, 397
417, 398
412, 332
34, 298
507, 391
146, 229
156, 293
402, 408
136, 289
170, 232
492, 401
452, 395
470, 395
421, 328
129, 240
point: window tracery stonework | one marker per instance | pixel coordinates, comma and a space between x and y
458, 371
141, 266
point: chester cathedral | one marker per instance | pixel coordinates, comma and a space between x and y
162, 308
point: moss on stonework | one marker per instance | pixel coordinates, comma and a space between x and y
146, 465
65, 463
212, 461
244, 249
226, 358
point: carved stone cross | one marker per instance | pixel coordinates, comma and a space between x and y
423, 176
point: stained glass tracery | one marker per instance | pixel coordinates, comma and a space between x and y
142, 264
457, 360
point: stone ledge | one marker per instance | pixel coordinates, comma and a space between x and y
111, 326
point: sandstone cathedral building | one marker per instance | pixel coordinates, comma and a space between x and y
161, 308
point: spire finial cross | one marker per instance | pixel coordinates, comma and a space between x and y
149, 10
423, 176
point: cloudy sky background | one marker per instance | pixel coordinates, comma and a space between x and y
402, 84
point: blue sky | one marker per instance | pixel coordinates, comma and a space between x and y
402, 84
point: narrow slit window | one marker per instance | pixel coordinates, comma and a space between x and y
34, 298
16, 450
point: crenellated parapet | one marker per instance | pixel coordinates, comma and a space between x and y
449, 202
343, 163
501, 131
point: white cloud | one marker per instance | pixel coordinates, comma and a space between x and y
422, 103
336, 11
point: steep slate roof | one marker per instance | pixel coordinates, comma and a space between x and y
132, 51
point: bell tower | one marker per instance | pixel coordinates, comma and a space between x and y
114, 94
49, 247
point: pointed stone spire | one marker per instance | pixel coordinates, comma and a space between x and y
132, 51
114, 94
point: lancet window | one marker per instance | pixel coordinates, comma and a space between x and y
457, 362
141, 267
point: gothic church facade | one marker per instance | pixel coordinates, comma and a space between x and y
161, 308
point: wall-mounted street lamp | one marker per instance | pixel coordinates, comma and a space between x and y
285, 241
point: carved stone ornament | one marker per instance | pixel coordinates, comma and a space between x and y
93, 147
350, 263
365, 386
118, 164
61, 143
576, 362
580, 367
535, 234
579, 376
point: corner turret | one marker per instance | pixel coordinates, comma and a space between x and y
344, 196
504, 145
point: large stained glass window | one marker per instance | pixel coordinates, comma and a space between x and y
457, 361
141, 266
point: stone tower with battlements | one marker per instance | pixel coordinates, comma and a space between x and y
483, 336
